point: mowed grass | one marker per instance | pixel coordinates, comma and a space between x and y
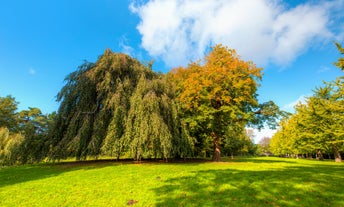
239, 182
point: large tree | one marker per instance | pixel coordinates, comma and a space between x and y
116, 106
220, 92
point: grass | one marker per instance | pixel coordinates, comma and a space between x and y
239, 182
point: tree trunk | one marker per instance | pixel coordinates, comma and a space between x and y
337, 155
217, 151
319, 155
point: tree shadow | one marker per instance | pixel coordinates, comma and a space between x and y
29, 172
24, 173
267, 160
316, 185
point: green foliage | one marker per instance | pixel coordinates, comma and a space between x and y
147, 131
10, 144
35, 128
318, 125
8, 107
237, 141
120, 108
117, 107
221, 94
340, 62
23, 134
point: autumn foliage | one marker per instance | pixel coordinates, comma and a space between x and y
219, 93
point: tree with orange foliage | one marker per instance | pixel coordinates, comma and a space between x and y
220, 93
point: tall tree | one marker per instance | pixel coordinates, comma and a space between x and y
116, 106
95, 100
219, 93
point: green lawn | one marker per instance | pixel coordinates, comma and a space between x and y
239, 182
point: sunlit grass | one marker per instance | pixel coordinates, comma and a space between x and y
239, 182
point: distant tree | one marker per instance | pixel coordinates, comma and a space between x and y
264, 145
34, 126
238, 141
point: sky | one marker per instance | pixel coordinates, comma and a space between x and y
41, 41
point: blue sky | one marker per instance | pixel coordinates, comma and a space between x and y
43, 41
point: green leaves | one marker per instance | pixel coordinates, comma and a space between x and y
10, 144
117, 107
8, 107
220, 93
317, 125
340, 62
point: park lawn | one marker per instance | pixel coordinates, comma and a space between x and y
238, 182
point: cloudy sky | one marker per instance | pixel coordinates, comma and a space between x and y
43, 41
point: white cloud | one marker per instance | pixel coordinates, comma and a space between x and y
290, 106
264, 31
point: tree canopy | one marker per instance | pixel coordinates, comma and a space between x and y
117, 106
120, 108
221, 94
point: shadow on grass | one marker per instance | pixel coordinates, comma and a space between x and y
266, 160
24, 173
318, 185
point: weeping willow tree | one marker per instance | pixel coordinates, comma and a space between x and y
117, 107
153, 128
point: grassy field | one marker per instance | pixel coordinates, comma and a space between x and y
239, 182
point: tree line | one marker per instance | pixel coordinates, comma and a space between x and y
317, 126
119, 107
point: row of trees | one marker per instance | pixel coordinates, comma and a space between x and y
317, 127
119, 107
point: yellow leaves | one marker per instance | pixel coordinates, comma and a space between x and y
223, 80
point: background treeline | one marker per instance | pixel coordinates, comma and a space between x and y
120, 108
317, 126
